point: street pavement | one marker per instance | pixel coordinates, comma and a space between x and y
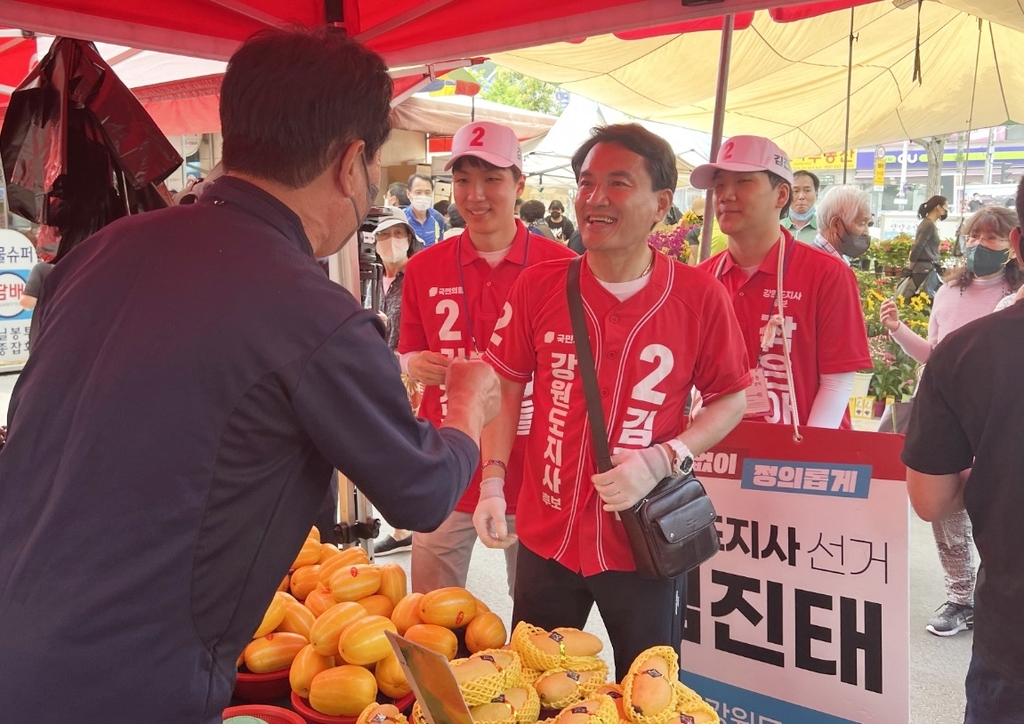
937, 665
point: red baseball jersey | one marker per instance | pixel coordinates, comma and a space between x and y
454, 303
824, 321
679, 331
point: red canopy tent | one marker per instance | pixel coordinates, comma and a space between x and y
405, 32
421, 39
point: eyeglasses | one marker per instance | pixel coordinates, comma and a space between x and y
987, 239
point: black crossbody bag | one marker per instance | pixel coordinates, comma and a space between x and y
672, 530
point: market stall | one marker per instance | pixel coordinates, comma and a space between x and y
402, 33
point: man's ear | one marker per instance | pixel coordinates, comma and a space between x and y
785, 193
350, 168
521, 185
664, 203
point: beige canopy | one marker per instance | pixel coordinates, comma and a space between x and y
788, 81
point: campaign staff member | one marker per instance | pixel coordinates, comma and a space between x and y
195, 381
657, 328
819, 319
454, 306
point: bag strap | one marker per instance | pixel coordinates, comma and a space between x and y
585, 360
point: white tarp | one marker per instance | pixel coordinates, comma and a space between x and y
547, 163
788, 80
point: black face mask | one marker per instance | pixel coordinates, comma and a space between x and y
983, 262
853, 245
555, 213
943, 217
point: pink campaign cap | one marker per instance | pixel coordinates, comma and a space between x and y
491, 142
744, 154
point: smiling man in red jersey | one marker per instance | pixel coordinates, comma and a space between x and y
657, 328
820, 320
454, 306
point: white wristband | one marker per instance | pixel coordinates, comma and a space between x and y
403, 361
492, 488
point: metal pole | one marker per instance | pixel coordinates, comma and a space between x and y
724, 53
903, 167
970, 122
849, 90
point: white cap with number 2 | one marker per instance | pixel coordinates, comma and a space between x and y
491, 142
744, 154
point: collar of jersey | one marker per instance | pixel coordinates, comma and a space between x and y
516, 255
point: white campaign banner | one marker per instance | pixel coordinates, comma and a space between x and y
17, 257
802, 617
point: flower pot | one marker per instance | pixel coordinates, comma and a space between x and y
861, 384
878, 408
893, 271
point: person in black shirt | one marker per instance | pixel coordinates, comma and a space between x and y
963, 451
559, 225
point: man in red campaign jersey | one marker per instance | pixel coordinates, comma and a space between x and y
453, 307
657, 328
820, 326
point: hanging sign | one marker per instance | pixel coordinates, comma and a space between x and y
879, 172
17, 257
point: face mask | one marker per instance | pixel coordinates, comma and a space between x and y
555, 213
422, 203
393, 250
983, 262
943, 217
806, 216
853, 245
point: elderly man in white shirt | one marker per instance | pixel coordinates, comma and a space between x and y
844, 213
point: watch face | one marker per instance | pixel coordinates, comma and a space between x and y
684, 458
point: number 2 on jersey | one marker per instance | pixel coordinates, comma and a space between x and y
644, 389
450, 309
506, 317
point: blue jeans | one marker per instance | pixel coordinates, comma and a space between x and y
992, 698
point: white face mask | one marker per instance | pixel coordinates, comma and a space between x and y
422, 203
393, 250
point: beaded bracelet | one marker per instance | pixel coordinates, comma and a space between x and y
497, 463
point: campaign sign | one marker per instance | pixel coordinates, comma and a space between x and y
17, 257
802, 616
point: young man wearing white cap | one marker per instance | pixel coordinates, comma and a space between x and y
658, 327
454, 306
820, 327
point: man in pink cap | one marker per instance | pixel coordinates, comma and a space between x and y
803, 352
453, 307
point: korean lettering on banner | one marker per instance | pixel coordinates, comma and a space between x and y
828, 161
17, 257
786, 623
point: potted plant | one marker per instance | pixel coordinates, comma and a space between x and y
892, 255
895, 372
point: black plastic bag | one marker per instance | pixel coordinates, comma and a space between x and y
78, 149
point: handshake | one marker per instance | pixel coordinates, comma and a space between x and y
474, 396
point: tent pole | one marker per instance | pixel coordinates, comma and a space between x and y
724, 53
849, 90
970, 122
